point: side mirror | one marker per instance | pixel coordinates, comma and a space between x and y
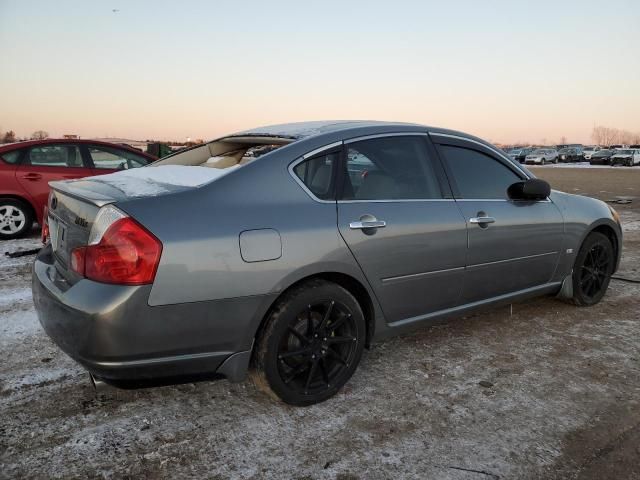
532, 189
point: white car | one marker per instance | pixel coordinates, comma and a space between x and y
542, 156
589, 150
627, 157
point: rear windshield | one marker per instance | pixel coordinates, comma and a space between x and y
225, 153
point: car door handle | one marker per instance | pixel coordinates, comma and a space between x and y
32, 176
482, 220
367, 224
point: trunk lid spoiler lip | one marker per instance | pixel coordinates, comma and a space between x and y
81, 194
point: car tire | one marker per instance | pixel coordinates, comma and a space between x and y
543, 161
16, 219
310, 345
592, 270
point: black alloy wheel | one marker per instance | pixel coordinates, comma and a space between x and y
593, 269
311, 343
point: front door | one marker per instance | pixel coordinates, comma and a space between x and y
513, 245
396, 214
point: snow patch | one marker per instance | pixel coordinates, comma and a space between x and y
147, 181
13, 296
17, 325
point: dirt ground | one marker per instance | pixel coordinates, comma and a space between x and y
560, 396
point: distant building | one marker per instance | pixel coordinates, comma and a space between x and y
71, 137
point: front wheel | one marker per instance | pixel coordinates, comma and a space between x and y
311, 343
15, 219
593, 269
543, 161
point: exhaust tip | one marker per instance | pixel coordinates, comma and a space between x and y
99, 385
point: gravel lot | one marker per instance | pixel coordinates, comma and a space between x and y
545, 390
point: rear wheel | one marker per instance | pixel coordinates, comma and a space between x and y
311, 343
593, 269
16, 219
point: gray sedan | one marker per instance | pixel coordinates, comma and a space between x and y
287, 250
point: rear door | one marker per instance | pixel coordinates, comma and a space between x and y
396, 214
513, 245
105, 159
42, 164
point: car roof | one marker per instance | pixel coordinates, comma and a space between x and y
57, 141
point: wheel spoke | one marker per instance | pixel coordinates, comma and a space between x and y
299, 336
295, 353
309, 322
327, 314
325, 372
312, 371
332, 340
333, 326
335, 355
296, 371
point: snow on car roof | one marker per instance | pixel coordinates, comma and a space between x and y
308, 129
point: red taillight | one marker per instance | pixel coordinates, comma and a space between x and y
44, 234
127, 254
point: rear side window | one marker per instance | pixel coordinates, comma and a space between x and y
114, 159
477, 175
389, 168
318, 174
55, 156
12, 157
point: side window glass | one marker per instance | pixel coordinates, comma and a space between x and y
477, 175
113, 159
317, 174
55, 156
12, 157
389, 168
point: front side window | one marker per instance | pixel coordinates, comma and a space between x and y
55, 156
317, 174
114, 159
389, 168
477, 175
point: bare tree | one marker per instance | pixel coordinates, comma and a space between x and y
9, 137
39, 135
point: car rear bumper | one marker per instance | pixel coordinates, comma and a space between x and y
113, 332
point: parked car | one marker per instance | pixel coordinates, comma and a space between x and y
570, 154
26, 169
589, 150
542, 156
211, 262
626, 157
520, 154
601, 157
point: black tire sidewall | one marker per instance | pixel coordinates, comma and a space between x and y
28, 215
594, 238
283, 314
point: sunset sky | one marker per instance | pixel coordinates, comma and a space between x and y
504, 70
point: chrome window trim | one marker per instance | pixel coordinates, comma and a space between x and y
494, 150
400, 200
321, 149
383, 135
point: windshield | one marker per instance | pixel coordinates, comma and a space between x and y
625, 152
603, 153
566, 150
514, 152
539, 151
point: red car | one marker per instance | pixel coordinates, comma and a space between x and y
26, 169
